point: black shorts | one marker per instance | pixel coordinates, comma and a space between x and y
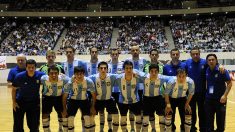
48, 102
110, 106
153, 104
134, 108
74, 105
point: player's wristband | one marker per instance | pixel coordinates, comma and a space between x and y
168, 105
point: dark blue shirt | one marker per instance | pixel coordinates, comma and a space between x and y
28, 87
171, 70
197, 71
13, 72
216, 85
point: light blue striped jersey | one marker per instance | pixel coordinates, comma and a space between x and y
103, 88
79, 91
153, 88
92, 68
139, 65
54, 89
69, 67
128, 89
115, 69
176, 90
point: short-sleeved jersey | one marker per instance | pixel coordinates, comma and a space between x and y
78, 91
128, 89
171, 70
153, 88
13, 72
139, 65
53, 89
28, 87
115, 69
44, 68
92, 68
176, 90
216, 85
104, 87
197, 71
69, 67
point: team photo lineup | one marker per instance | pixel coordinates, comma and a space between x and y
117, 91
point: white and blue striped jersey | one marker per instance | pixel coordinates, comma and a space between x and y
128, 89
153, 88
79, 91
139, 65
176, 90
104, 87
91, 68
53, 89
115, 69
69, 68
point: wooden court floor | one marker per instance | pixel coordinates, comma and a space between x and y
6, 119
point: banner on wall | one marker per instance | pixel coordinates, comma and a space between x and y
3, 63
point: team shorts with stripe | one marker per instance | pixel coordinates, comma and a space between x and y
74, 105
153, 104
110, 106
48, 102
134, 108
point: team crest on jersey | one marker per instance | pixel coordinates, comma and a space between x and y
157, 86
123, 87
133, 86
216, 75
108, 83
59, 87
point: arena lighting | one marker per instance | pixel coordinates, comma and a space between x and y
3, 17
198, 14
75, 17
211, 13
111, 17
40, 17
99, 17
87, 17
134, 16
15, 17
122, 16
189, 8
52, 17
1, 10
27, 17
64, 17
159, 15
146, 16
171, 15
226, 12
184, 14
